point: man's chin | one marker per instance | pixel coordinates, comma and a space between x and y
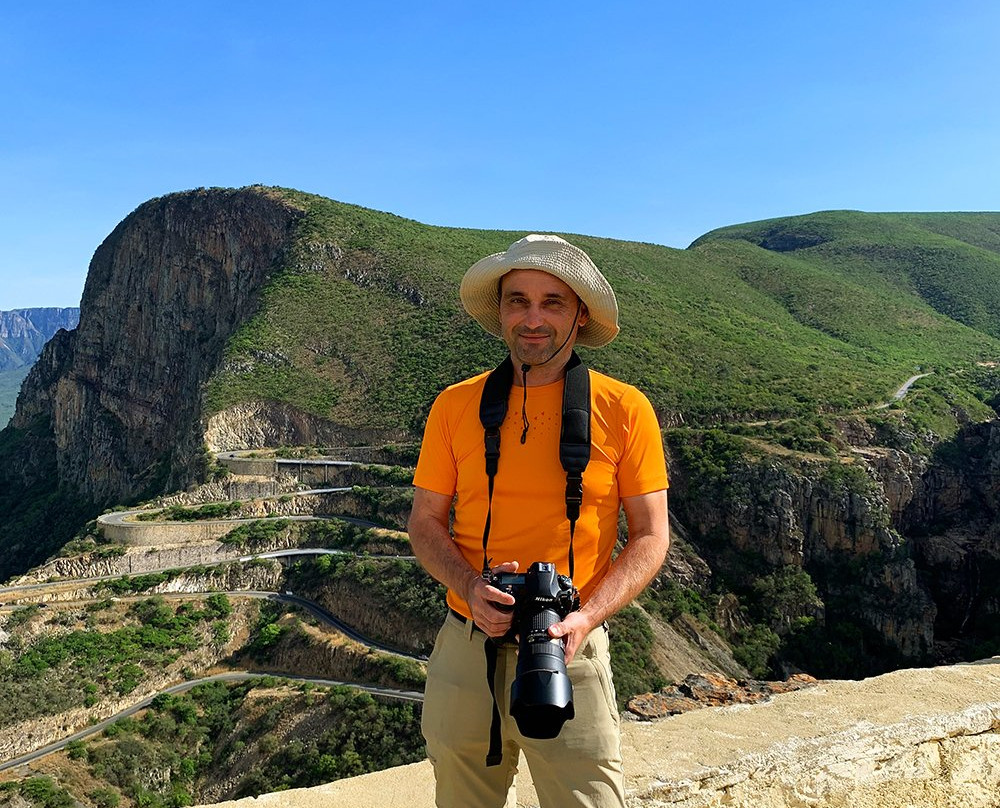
534, 356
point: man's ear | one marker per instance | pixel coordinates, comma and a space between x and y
584, 315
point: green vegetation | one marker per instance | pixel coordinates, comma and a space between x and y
90, 539
708, 457
922, 257
267, 633
182, 513
735, 327
318, 533
847, 478
341, 535
404, 672
133, 584
389, 475
277, 633
754, 648
631, 640
808, 434
47, 674
243, 729
390, 586
669, 600
259, 533
362, 735
39, 792
40, 517
386, 506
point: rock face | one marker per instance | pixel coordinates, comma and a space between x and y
699, 690
954, 519
264, 423
165, 291
904, 545
829, 518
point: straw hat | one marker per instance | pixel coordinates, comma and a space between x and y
480, 287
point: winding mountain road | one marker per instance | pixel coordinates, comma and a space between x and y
902, 391
900, 394
231, 676
125, 518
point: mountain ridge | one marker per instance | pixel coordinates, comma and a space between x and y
23, 334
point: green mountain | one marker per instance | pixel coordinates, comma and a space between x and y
831, 311
950, 262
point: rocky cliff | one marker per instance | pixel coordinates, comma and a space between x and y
121, 395
953, 518
901, 545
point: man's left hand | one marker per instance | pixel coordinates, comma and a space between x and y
573, 630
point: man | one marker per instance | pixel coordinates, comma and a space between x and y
541, 296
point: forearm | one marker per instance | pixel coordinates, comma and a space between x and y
634, 567
436, 550
649, 540
439, 555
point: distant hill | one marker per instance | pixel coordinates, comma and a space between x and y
23, 332
949, 262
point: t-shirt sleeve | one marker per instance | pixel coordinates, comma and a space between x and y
436, 468
642, 468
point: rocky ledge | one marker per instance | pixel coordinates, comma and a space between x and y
927, 737
710, 690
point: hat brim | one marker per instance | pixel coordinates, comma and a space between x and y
480, 286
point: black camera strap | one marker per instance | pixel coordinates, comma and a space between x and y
574, 455
574, 438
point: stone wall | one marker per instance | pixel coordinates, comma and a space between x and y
919, 737
153, 534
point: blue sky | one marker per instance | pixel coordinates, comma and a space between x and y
651, 121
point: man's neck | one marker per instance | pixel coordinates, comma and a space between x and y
538, 375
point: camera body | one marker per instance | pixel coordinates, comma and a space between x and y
540, 588
541, 698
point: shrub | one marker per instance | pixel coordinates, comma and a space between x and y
631, 640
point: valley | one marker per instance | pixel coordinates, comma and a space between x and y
143, 573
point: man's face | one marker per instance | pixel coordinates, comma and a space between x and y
537, 312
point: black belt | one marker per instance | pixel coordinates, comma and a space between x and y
464, 619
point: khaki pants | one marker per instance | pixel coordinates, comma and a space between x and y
580, 767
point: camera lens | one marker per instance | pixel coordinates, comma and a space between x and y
541, 698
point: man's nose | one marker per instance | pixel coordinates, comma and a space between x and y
533, 317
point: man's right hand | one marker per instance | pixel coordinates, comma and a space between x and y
491, 608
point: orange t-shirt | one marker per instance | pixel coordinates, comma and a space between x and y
529, 500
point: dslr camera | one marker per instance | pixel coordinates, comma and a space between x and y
541, 698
